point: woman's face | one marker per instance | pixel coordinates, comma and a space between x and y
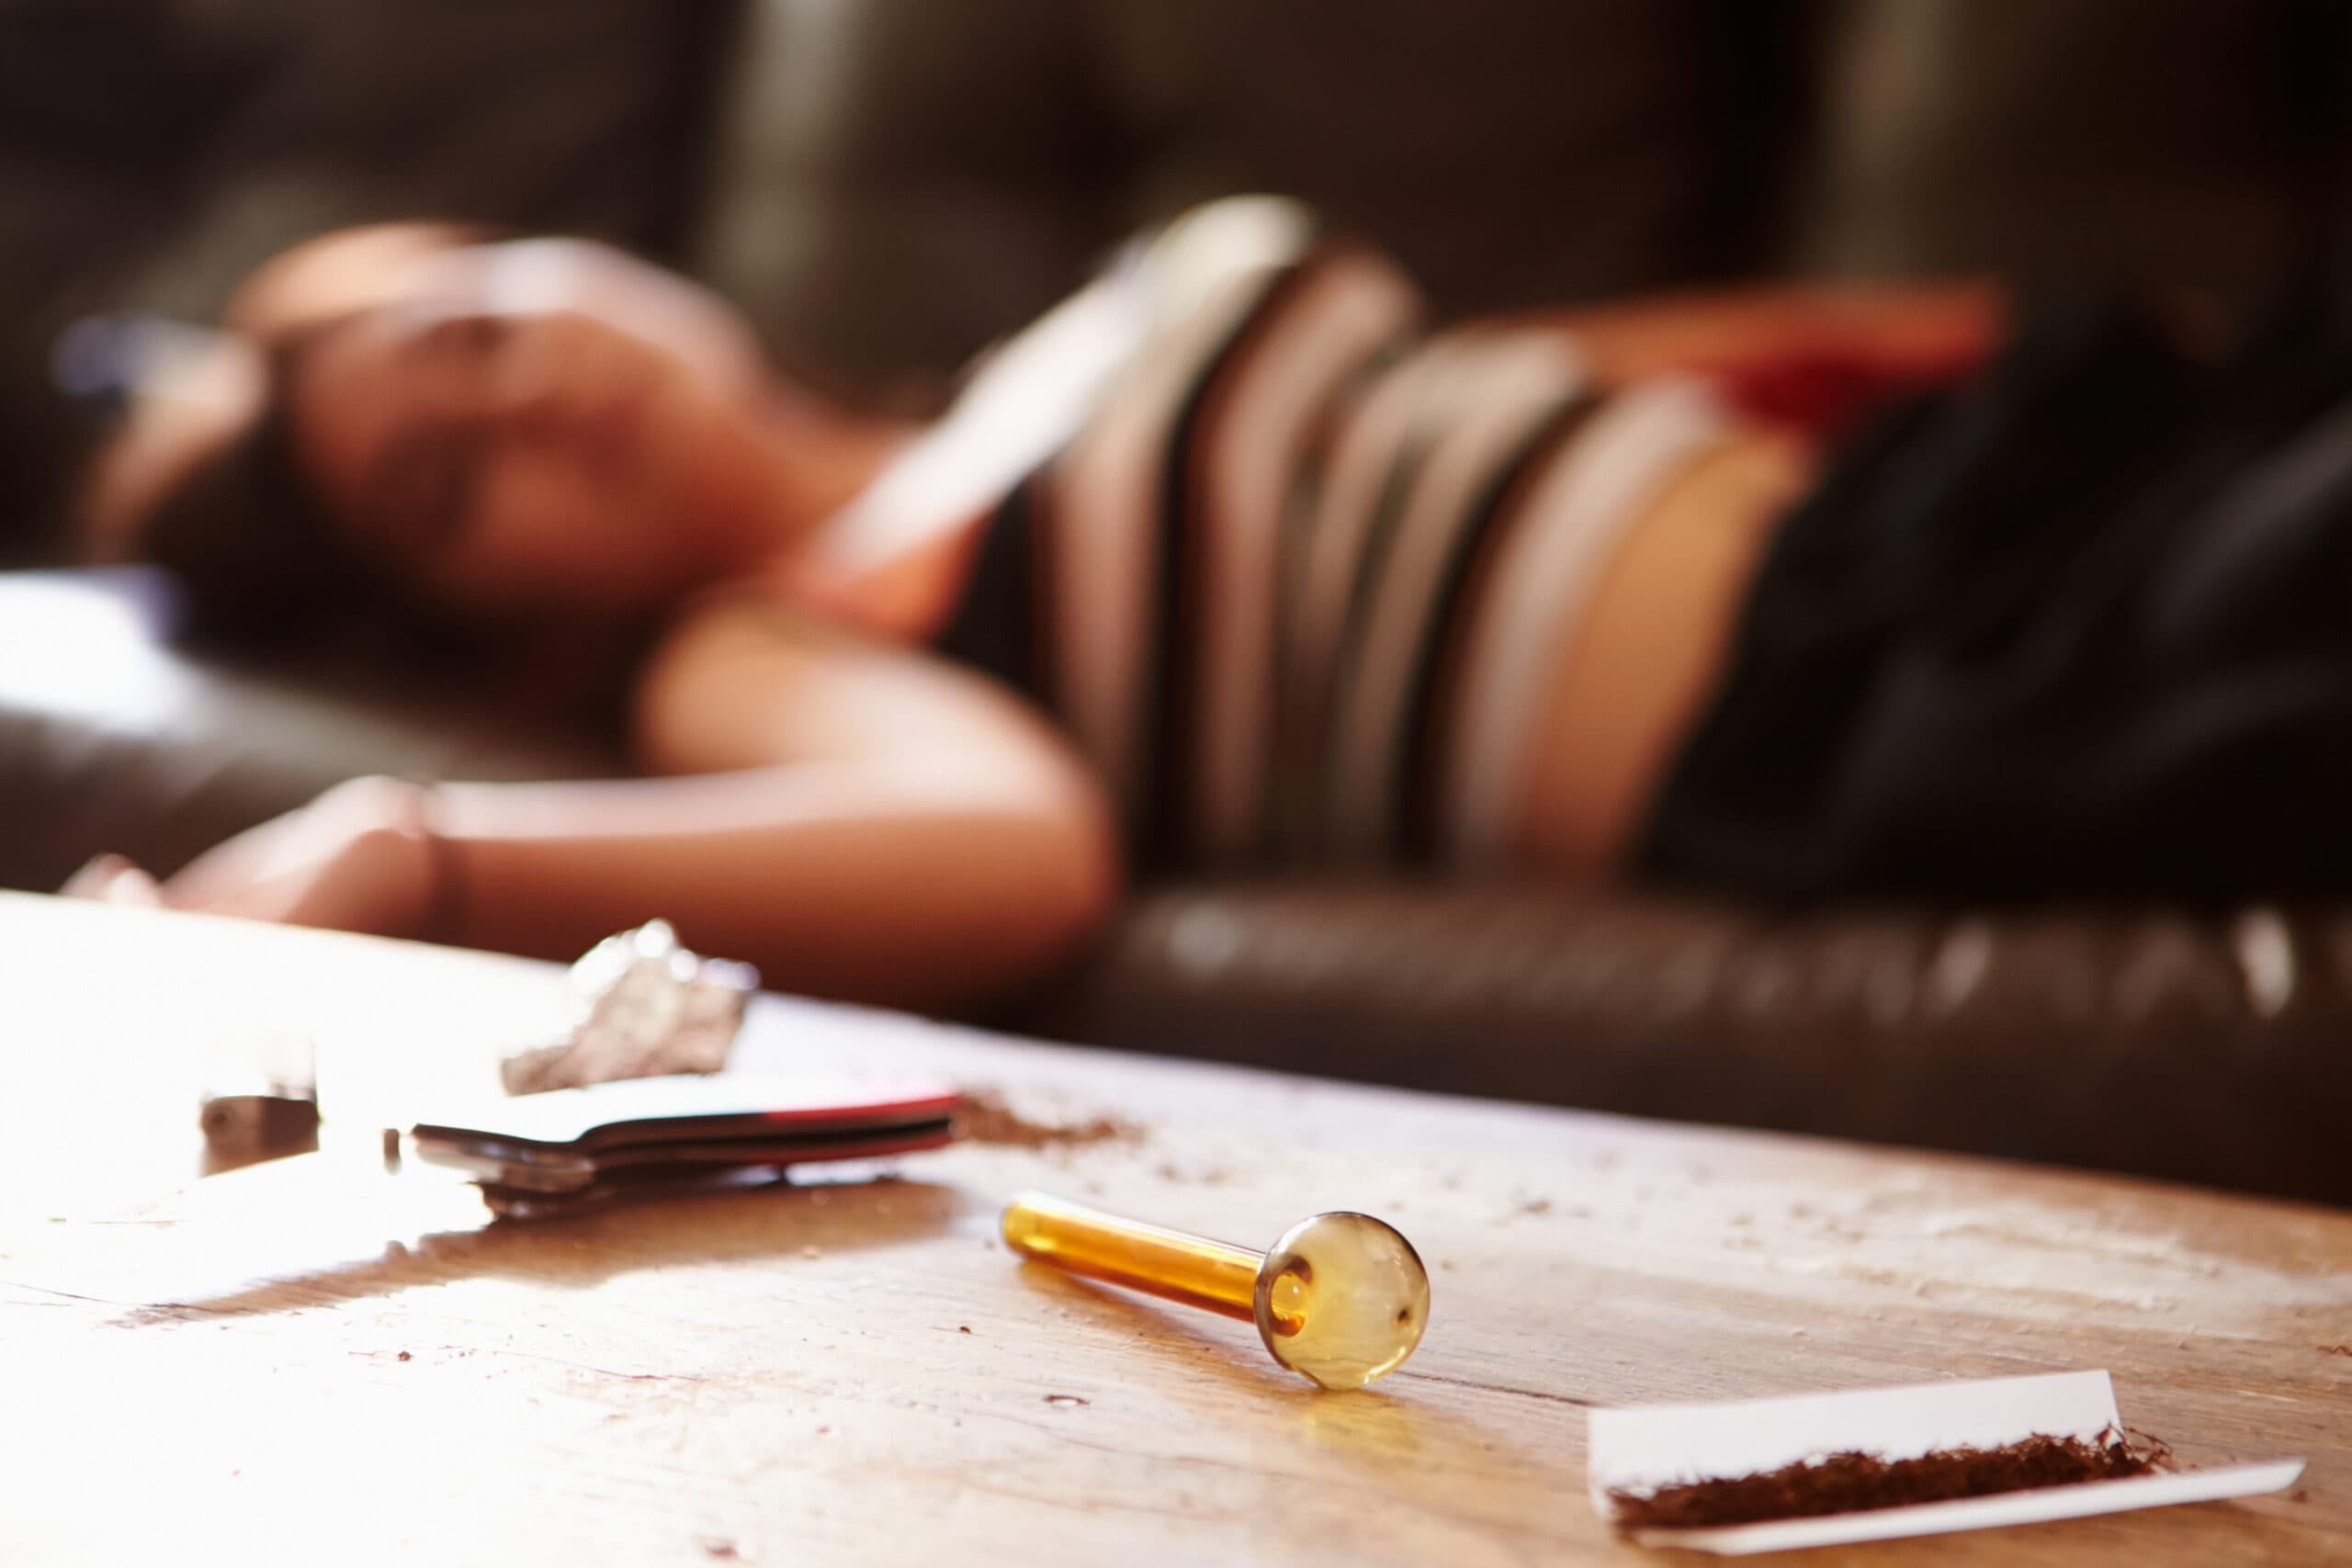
541, 425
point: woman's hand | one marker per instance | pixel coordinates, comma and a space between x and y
359, 858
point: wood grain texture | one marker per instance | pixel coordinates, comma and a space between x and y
311, 1362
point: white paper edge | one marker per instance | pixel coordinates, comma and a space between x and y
1642, 1448
1983, 1512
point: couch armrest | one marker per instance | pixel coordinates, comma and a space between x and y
111, 739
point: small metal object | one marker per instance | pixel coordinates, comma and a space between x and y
262, 1103
1340, 1299
645, 1007
244, 1129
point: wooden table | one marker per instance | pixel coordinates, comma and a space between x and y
311, 1362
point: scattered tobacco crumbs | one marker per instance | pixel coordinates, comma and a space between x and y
404, 1356
985, 1118
1853, 1482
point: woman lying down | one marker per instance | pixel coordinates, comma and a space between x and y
1230, 562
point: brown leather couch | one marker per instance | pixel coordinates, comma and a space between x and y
883, 206
2209, 1047
887, 185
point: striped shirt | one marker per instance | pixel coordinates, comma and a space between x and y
1293, 572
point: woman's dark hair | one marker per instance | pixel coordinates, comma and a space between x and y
254, 550
247, 535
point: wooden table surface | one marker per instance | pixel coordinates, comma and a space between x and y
311, 1363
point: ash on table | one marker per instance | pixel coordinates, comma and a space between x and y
985, 1118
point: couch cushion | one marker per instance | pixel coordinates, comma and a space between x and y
901, 181
2204, 1048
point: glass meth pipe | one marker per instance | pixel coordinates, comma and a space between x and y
1340, 1298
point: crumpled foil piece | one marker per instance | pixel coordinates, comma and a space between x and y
647, 1007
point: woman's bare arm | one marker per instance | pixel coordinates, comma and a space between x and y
861, 822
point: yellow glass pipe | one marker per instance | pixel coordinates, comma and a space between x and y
1214, 1275
1340, 1299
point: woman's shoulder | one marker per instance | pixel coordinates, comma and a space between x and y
748, 615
